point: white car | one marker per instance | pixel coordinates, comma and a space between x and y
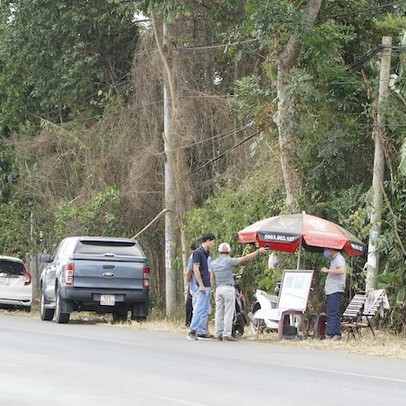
15, 283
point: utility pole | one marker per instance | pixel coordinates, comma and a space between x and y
379, 166
170, 277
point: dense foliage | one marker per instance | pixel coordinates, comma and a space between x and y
56, 55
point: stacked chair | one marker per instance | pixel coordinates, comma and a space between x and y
362, 309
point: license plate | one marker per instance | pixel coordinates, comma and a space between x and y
4, 281
107, 300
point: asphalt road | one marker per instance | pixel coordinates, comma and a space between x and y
44, 363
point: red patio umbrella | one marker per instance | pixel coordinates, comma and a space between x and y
290, 231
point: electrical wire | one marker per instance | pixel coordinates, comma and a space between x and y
367, 10
218, 96
215, 46
217, 137
227, 151
121, 81
372, 53
228, 170
113, 113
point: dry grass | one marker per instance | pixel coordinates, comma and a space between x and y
384, 344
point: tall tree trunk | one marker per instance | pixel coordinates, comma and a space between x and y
284, 117
176, 174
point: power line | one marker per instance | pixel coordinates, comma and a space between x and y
141, 105
213, 96
217, 137
365, 58
226, 152
215, 46
366, 10
228, 170
218, 96
372, 53
354, 82
231, 96
395, 47
113, 113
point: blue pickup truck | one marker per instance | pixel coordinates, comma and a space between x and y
101, 274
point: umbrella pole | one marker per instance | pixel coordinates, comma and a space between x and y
298, 257
300, 241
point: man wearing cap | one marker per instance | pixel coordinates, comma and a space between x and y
222, 278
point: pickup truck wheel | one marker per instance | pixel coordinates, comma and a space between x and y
139, 318
60, 317
120, 315
45, 314
139, 311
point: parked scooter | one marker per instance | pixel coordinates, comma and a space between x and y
240, 318
259, 315
263, 300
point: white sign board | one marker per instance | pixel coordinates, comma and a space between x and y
295, 289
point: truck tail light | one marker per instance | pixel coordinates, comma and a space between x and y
69, 273
146, 272
27, 276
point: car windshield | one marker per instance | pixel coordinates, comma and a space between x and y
11, 267
109, 247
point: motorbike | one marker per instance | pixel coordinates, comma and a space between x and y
263, 300
261, 323
240, 318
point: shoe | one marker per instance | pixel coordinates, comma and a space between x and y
329, 337
205, 337
220, 337
337, 337
192, 335
231, 338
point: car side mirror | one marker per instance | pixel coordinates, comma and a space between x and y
45, 258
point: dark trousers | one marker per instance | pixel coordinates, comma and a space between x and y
189, 310
333, 314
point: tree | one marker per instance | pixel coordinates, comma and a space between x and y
286, 61
56, 55
288, 24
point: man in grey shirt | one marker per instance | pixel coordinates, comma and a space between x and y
222, 279
334, 289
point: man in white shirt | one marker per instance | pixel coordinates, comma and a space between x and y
334, 288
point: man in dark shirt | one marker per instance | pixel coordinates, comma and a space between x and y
190, 285
201, 309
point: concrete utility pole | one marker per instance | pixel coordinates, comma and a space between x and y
170, 276
379, 166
